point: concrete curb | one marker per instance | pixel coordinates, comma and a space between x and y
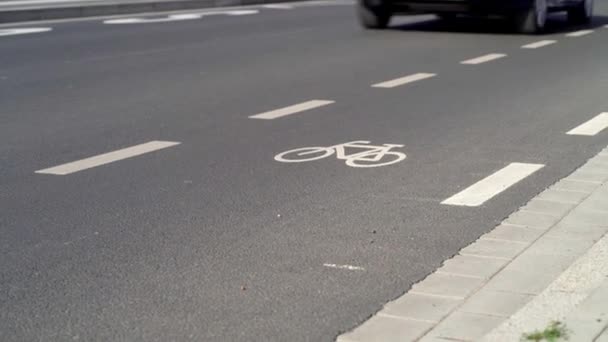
28, 13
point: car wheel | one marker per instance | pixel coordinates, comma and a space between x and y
532, 20
373, 16
581, 13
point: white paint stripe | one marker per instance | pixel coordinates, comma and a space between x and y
107, 158
485, 189
483, 59
403, 80
240, 12
278, 6
539, 44
591, 127
345, 267
174, 17
579, 33
25, 30
291, 109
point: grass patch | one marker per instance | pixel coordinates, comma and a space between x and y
552, 333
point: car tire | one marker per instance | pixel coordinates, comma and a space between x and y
373, 16
581, 13
533, 19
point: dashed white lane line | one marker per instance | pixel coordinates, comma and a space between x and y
304, 106
278, 6
485, 189
173, 17
403, 80
484, 58
579, 33
107, 158
591, 127
25, 30
178, 17
345, 267
538, 44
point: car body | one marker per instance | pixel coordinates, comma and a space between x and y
529, 16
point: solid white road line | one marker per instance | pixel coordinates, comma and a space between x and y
485, 189
483, 59
403, 80
591, 127
107, 158
24, 30
539, 44
277, 113
579, 33
345, 267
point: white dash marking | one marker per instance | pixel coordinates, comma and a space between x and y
107, 158
485, 189
591, 127
539, 44
345, 267
25, 30
304, 106
239, 12
278, 6
579, 33
403, 80
483, 59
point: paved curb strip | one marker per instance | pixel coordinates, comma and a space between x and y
590, 319
562, 297
112, 8
493, 278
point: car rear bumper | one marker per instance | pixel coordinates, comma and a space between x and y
482, 7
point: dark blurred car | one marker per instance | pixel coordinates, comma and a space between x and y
529, 16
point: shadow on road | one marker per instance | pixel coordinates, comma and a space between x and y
557, 23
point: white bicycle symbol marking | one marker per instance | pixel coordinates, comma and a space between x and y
371, 156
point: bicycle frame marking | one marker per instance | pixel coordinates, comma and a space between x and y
371, 156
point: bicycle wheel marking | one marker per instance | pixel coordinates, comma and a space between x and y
357, 153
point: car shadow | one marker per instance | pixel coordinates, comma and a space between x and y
556, 23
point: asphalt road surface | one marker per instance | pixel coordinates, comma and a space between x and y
140, 196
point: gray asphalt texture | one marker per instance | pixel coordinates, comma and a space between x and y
213, 240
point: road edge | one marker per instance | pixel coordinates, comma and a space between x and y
29, 14
505, 270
